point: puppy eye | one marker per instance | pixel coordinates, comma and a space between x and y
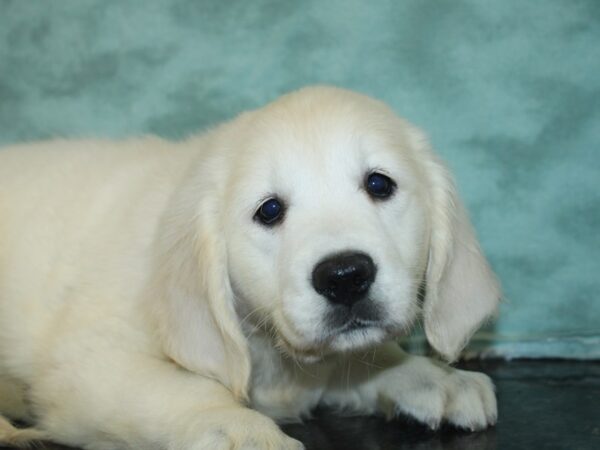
379, 185
270, 212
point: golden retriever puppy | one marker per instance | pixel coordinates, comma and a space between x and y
184, 295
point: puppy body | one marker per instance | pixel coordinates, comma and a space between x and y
143, 306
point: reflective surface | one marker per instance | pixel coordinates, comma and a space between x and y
542, 405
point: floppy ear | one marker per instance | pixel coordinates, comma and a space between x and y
461, 289
198, 325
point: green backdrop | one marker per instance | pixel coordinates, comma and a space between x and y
508, 91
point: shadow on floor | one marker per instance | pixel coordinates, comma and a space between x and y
543, 405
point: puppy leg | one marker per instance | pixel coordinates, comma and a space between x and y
12, 399
393, 382
18, 437
126, 400
12, 396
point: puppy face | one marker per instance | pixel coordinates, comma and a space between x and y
325, 223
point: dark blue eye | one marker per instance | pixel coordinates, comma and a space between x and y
270, 212
379, 185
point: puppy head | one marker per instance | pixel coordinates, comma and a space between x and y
335, 210
316, 218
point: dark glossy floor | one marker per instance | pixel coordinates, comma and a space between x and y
542, 405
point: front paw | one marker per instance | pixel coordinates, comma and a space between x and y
471, 400
433, 394
236, 428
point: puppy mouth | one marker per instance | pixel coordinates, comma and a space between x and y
363, 314
344, 328
354, 324
358, 332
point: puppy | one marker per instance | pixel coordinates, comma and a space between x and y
184, 295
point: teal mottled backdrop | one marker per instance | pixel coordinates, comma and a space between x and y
508, 90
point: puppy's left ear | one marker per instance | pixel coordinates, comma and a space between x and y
194, 309
461, 289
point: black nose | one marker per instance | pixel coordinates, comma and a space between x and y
344, 278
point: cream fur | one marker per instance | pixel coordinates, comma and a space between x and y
141, 306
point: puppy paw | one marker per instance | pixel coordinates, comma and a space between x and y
239, 429
434, 394
471, 400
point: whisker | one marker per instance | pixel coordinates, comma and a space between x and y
254, 311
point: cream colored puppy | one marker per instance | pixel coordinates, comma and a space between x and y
182, 295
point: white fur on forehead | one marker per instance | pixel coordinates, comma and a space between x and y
326, 105
301, 124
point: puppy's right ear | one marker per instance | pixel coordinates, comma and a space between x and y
462, 291
194, 307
